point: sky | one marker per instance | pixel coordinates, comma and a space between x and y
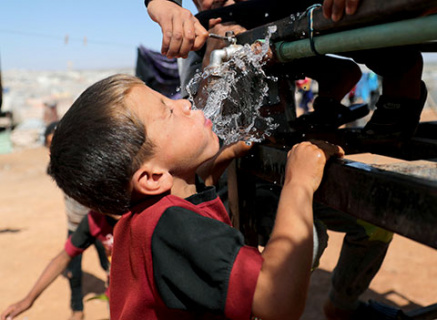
33, 33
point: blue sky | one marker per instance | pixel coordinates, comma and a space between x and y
32, 33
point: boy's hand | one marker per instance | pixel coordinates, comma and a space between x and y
15, 309
235, 150
211, 170
334, 9
181, 31
307, 160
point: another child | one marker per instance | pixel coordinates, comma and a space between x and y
175, 254
94, 226
75, 213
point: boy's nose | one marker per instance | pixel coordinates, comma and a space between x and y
186, 106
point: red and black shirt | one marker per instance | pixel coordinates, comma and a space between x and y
179, 258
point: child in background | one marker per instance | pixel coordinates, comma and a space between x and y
175, 253
94, 226
75, 213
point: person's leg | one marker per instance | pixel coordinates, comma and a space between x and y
363, 251
74, 275
336, 77
403, 96
103, 257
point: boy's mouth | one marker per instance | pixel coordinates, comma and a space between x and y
208, 122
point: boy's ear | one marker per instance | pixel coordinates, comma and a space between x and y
151, 180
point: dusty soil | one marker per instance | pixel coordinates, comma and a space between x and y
33, 230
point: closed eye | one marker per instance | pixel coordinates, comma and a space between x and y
166, 106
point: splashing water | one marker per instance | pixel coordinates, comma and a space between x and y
234, 93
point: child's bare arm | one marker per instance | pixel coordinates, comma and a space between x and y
181, 31
51, 272
212, 170
283, 281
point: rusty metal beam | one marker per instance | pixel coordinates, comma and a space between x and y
400, 203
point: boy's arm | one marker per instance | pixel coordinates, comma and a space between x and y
51, 272
211, 171
282, 284
181, 31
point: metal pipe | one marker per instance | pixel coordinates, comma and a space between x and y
398, 33
370, 12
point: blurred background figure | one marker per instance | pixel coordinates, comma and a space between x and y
50, 112
306, 94
75, 213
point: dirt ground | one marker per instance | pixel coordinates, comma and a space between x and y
33, 230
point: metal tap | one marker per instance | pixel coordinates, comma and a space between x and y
219, 56
229, 37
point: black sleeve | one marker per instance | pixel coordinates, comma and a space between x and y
82, 238
179, 2
192, 260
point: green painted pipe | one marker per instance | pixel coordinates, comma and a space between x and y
398, 33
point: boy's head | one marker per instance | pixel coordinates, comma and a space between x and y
121, 141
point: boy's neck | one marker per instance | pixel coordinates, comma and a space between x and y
183, 188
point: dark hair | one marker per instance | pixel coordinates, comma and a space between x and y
98, 145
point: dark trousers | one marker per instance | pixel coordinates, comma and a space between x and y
74, 275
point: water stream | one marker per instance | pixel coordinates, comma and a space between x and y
234, 93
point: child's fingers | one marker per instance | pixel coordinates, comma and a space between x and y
176, 37
201, 35
327, 8
241, 148
335, 9
213, 22
156, 10
351, 6
8, 314
338, 10
236, 150
329, 148
166, 28
188, 39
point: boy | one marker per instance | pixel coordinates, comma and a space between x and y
175, 254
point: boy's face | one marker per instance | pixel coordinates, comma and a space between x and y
183, 137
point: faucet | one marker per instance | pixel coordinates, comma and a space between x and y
219, 56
